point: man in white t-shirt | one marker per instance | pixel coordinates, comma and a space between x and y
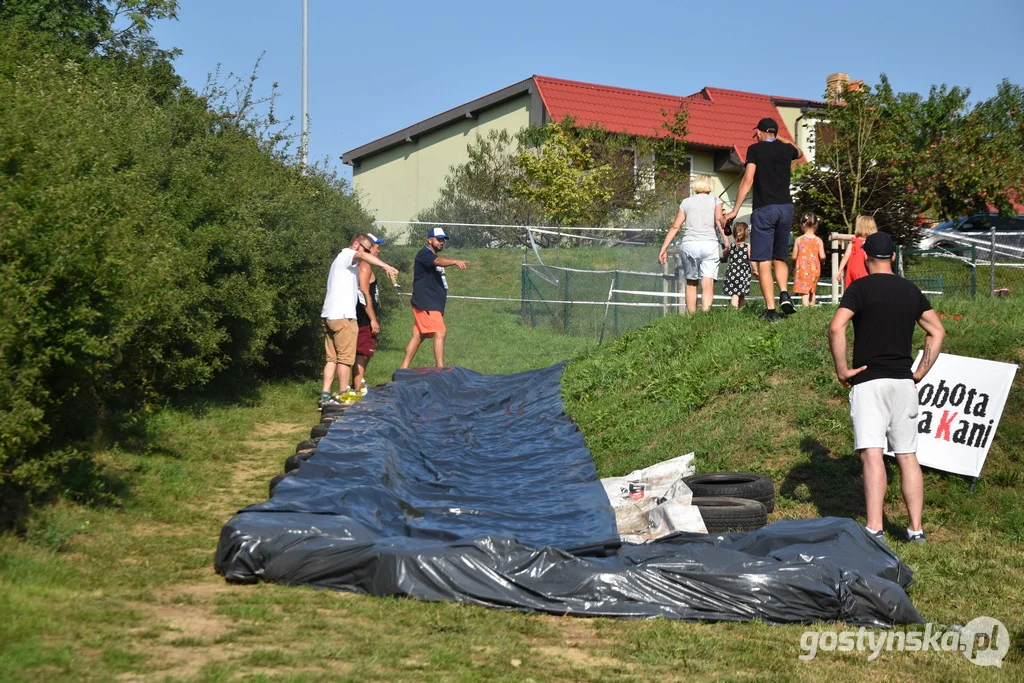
338, 316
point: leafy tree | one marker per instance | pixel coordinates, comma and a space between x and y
86, 26
893, 155
155, 242
562, 177
847, 181
958, 158
894, 209
479, 191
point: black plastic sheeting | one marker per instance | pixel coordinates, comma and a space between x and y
452, 485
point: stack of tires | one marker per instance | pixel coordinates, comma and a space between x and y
732, 501
307, 447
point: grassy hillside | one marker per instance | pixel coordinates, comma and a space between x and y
751, 396
124, 586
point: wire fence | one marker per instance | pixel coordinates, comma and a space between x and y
603, 282
988, 262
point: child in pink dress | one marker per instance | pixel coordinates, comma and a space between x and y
808, 254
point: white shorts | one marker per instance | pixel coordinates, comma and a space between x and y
884, 413
700, 259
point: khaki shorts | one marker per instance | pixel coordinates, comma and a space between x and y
340, 340
884, 413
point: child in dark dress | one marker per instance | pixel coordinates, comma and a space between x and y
737, 274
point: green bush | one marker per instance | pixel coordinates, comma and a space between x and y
152, 244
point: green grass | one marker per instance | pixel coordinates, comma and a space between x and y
127, 588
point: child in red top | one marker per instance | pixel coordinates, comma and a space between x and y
808, 253
853, 264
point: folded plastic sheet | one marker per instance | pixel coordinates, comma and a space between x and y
452, 485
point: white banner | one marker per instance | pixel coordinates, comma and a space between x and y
961, 402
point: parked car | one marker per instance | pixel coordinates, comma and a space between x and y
976, 230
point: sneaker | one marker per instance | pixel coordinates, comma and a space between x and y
916, 536
786, 304
880, 534
363, 390
325, 397
771, 315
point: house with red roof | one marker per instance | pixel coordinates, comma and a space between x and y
402, 173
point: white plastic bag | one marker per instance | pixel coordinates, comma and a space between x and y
654, 502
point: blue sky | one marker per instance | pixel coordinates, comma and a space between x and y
376, 67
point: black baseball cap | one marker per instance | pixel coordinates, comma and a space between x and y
768, 125
879, 245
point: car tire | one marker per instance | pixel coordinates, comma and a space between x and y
722, 515
319, 430
330, 410
307, 444
277, 480
292, 463
734, 485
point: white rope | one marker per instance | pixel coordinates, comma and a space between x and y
985, 242
520, 227
542, 301
596, 272
584, 237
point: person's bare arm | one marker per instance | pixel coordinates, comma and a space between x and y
796, 249
936, 333
846, 257
741, 194
821, 250
672, 232
373, 260
445, 262
364, 287
837, 343
720, 224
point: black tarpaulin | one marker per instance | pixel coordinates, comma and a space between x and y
452, 485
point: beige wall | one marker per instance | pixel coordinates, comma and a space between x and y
704, 162
802, 130
398, 183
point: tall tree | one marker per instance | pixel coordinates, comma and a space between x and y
562, 176
958, 158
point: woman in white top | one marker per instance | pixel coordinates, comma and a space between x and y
699, 250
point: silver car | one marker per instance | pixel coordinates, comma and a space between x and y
976, 230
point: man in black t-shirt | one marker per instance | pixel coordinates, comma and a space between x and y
429, 295
767, 171
883, 399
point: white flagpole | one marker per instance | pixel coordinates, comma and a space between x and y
305, 84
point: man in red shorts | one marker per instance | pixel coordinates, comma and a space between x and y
367, 308
429, 294
338, 316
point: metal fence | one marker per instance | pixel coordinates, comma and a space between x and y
603, 282
952, 271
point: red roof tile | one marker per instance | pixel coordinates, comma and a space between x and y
717, 117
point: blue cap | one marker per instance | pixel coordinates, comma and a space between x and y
437, 233
374, 238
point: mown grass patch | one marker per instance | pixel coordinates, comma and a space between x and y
127, 588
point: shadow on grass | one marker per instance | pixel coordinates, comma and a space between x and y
832, 484
79, 479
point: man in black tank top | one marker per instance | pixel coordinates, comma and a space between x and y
367, 308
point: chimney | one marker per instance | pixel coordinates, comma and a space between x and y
835, 86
